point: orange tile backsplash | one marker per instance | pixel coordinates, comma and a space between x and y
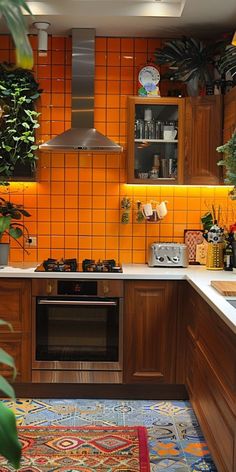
75, 204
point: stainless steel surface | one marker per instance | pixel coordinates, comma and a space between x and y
232, 301
168, 255
76, 302
82, 136
87, 371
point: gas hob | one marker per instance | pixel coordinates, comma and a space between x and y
72, 265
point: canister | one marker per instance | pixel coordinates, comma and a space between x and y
215, 256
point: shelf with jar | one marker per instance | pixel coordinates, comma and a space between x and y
155, 140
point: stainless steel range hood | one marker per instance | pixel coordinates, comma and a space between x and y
82, 136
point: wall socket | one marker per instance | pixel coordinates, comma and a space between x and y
31, 241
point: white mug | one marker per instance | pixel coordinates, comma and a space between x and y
147, 209
162, 210
169, 134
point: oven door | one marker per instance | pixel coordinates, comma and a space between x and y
77, 333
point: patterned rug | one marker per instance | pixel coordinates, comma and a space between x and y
83, 449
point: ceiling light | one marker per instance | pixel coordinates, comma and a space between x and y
42, 36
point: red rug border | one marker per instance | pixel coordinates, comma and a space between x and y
141, 430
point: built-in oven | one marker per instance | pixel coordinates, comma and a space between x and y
77, 330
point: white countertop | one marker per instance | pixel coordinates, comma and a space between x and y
198, 276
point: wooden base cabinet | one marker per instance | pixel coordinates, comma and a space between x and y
150, 315
210, 355
15, 307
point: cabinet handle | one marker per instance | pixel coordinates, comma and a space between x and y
105, 288
49, 288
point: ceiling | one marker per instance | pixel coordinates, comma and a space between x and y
163, 18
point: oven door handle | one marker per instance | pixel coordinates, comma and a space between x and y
77, 302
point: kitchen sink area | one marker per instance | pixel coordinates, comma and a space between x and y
232, 301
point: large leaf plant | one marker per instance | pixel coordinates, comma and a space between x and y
18, 121
10, 447
11, 211
12, 11
190, 58
227, 62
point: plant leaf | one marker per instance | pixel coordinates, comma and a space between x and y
15, 232
6, 387
6, 359
10, 447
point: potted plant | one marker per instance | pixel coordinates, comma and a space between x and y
191, 61
12, 11
229, 162
227, 62
10, 446
18, 121
9, 212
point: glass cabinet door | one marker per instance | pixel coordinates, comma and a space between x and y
155, 129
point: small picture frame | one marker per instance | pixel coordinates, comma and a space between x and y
192, 237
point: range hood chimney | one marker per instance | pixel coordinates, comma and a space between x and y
82, 136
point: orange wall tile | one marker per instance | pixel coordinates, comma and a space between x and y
75, 205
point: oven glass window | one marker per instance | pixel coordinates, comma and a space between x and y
67, 332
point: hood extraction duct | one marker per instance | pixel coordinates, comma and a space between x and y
82, 136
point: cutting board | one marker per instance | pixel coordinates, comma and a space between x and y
226, 288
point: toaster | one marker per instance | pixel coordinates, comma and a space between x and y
167, 255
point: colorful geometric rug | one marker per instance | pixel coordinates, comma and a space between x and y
82, 449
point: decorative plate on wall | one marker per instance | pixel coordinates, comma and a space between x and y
192, 237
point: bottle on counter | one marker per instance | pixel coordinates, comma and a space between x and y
228, 253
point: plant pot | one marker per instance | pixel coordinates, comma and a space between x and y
193, 87
4, 253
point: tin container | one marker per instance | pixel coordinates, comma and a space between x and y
215, 256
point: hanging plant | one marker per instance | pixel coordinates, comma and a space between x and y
229, 162
13, 13
18, 120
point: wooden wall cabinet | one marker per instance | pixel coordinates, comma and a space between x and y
15, 307
229, 114
193, 152
210, 361
147, 139
150, 316
203, 133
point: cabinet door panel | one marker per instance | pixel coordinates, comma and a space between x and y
155, 147
229, 114
203, 127
15, 303
18, 346
217, 420
150, 331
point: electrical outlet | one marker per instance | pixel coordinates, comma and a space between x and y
31, 241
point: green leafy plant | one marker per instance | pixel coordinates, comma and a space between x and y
229, 161
11, 211
190, 58
12, 11
19, 120
227, 62
10, 447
